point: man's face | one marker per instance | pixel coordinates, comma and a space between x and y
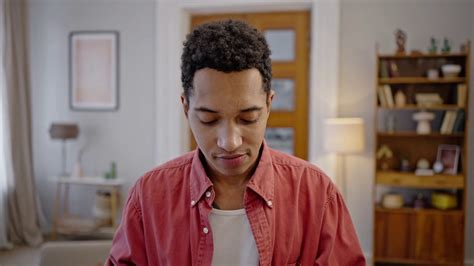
228, 113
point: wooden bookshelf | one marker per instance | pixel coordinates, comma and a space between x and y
407, 235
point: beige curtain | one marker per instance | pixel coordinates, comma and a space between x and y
23, 222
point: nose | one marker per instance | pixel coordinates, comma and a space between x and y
229, 138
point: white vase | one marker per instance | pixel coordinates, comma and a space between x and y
77, 171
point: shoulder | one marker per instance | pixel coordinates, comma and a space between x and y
301, 172
294, 164
165, 175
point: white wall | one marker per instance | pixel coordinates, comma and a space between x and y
125, 136
363, 24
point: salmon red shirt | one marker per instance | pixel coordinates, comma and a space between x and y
296, 215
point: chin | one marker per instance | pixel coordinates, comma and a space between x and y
232, 171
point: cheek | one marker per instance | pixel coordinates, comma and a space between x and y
254, 134
203, 134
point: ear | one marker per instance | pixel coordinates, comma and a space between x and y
270, 99
185, 104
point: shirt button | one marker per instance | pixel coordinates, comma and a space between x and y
193, 203
205, 230
269, 203
208, 194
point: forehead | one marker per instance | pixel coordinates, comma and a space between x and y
217, 89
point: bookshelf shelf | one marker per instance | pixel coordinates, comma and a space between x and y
404, 93
408, 210
410, 180
416, 135
421, 56
420, 80
444, 107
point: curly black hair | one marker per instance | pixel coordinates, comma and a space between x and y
227, 46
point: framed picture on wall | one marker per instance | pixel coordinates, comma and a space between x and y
93, 70
448, 155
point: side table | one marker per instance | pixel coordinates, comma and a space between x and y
78, 225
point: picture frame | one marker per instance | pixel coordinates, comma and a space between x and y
448, 155
94, 70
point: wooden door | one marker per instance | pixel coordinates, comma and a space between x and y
288, 36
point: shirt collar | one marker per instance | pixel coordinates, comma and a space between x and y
261, 182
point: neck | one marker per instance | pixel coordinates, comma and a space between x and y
230, 190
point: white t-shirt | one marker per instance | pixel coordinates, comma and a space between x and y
234, 243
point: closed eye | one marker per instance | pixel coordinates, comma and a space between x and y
248, 122
208, 123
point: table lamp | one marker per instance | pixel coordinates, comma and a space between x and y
343, 136
63, 132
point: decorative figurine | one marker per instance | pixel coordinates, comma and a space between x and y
401, 38
438, 167
424, 122
423, 167
385, 157
423, 163
112, 174
446, 46
432, 74
433, 49
400, 99
419, 202
405, 165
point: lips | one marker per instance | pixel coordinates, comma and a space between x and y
232, 161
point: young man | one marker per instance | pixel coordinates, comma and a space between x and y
234, 200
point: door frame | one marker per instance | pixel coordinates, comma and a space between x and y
172, 24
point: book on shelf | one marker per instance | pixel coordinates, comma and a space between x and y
458, 126
384, 73
381, 95
461, 95
388, 95
453, 122
446, 121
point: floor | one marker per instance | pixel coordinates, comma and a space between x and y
20, 256
29, 256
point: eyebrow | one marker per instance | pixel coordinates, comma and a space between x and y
246, 110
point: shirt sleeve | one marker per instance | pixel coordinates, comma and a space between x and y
128, 246
339, 244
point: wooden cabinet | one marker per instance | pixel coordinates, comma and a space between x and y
423, 235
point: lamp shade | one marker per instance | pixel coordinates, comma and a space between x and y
344, 135
63, 131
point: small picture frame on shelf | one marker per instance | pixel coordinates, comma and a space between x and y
448, 155
394, 73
